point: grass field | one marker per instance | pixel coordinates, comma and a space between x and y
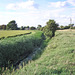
6, 33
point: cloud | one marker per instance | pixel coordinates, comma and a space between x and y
30, 4
60, 4
33, 17
72, 2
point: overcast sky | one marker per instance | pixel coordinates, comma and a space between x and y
34, 12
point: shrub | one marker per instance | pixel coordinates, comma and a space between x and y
50, 28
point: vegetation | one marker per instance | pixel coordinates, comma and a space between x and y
53, 58
50, 28
8, 33
39, 27
32, 28
11, 25
70, 26
2, 27
58, 57
14, 49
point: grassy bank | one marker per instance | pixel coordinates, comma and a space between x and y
14, 49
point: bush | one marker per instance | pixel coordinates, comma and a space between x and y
50, 28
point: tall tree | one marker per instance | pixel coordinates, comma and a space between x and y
12, 25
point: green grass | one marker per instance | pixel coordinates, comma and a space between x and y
58, 58
6, 33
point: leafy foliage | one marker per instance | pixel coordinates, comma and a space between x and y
50, 28
32, 28
12, 25
39, 26
2, 27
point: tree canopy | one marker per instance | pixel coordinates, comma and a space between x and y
50, 28
32, 28
12, 25
39, 26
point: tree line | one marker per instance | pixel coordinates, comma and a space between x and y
12, 25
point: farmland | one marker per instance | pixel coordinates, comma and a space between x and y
6, 33
58, 58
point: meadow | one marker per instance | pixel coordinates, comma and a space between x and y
58, 58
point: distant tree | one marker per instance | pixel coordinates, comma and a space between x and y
71, 26
27, 27
3, 27
61, 27
39, 26
50, 28
66, 27
18, 28
22, 28
32, 28
0, 27
12, 25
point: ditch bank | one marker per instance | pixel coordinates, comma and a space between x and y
14, 50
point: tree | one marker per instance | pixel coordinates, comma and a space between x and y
71, 26
0, 27
22, 28
66, 27
32, 28
27, 28
12, 25
61, 27
50, 28
3, 27
39, 26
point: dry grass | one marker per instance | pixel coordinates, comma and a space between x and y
67, 30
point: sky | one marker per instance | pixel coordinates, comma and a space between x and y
37, 12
